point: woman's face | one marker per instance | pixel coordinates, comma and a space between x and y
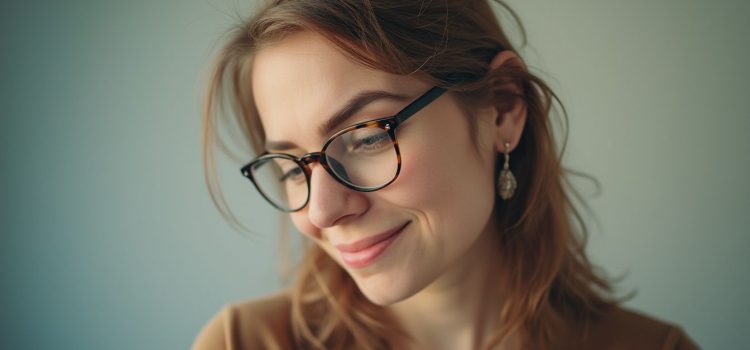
443, 197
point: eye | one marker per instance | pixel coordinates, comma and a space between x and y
294, 174
366, 141
374, 142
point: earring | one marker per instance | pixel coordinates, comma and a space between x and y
506, 182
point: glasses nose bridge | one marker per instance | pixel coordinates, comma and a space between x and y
312, 157
307, 160
338, 169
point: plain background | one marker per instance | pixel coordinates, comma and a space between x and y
110, 240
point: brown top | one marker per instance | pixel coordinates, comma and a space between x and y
265, 324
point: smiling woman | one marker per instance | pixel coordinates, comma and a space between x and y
409, 142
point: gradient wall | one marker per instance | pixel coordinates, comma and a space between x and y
109, 239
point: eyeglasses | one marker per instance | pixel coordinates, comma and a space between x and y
364, 157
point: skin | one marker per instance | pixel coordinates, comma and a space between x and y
434, 276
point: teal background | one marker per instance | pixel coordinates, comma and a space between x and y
109, 239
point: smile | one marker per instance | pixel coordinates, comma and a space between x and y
364, 252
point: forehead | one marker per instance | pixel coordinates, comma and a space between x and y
301, 81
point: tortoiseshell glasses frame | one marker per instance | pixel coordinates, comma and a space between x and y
389, 124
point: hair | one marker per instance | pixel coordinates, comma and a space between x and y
549, 279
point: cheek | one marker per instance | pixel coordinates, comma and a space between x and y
418, 179
436, 168
429, 182
448, 182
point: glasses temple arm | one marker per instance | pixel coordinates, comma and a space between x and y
418, 104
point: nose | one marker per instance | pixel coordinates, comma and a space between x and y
332, 203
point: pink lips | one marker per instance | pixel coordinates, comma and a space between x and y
363, 252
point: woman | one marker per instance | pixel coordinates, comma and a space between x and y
410, 144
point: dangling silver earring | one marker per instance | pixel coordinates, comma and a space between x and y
506, 182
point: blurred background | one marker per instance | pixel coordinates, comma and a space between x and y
109, 239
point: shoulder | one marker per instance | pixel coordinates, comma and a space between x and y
249, 324
623, 328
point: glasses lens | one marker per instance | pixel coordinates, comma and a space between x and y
364, 157
282, 181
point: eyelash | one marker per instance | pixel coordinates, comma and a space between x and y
290, 173
375, 140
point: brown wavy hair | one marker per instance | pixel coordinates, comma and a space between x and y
549, 279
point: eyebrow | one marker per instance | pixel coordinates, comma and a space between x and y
350, 109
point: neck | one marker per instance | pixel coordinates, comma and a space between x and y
460, 309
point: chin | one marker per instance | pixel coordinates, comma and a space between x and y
384, 292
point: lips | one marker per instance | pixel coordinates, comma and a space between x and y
363, 252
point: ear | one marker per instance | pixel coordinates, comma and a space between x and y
511, 116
